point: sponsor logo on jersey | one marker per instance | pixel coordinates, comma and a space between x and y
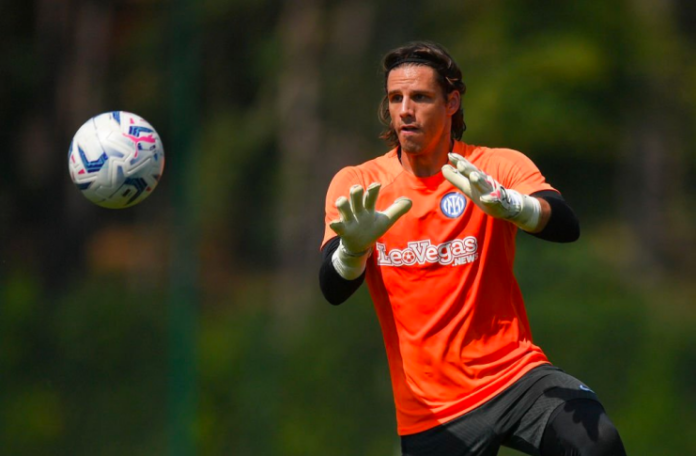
456, 252
453, 204
585, 388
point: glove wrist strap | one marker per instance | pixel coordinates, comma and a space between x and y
527, 208
348, 253
349, 265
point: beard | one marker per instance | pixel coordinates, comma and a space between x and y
412, 144
411, 147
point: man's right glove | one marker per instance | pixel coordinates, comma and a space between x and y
494, 199
360, 226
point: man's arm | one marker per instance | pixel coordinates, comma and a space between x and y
560, 223
544, 214
335, 288
359, 226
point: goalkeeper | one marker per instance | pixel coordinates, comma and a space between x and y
431, 227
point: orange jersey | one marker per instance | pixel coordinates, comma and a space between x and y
441, 279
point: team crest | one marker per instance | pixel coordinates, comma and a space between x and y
453, 204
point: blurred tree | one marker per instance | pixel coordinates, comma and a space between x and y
66, 75
654, 162
300, 133
319, 43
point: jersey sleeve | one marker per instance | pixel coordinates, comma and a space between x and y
340, 186
516, 171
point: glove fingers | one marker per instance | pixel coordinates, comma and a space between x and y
397, 209
356, 199
480, 182
456, 179
454, 158
371, 196
463, 165
343, 206
338, 227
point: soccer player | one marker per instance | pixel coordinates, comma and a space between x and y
431, 227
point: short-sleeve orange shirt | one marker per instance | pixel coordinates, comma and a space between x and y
441, 279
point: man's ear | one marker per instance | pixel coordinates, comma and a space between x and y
454, 102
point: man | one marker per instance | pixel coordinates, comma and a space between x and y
436, 242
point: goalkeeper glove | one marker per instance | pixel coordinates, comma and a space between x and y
494, 199
360, 226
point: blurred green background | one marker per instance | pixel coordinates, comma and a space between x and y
193, 323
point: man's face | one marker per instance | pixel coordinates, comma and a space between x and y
420, 113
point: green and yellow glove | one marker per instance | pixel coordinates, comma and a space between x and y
360, 226
494, 199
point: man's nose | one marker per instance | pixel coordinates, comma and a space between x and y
406, 108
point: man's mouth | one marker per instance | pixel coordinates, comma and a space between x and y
409, 129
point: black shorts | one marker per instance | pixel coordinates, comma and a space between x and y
515, 418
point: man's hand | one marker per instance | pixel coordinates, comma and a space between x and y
360, 226
494, 199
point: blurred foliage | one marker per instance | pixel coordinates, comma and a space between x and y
601, 95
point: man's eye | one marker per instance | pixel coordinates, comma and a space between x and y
395, 99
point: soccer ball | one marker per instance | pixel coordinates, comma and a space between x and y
116, 159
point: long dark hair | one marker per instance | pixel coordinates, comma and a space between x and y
449, 77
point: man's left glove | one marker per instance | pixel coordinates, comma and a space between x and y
494, 199
360, 226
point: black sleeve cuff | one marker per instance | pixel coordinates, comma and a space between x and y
335, 288
563, 226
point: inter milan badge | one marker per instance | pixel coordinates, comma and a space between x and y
453, 204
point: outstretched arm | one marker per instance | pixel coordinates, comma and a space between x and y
360, 225
543, 214
495, 200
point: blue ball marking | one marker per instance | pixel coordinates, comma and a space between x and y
136, 130
94, 165
139, 184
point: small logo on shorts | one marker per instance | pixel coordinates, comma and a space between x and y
453, 204
585, 388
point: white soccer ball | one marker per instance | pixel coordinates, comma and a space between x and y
116, 159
